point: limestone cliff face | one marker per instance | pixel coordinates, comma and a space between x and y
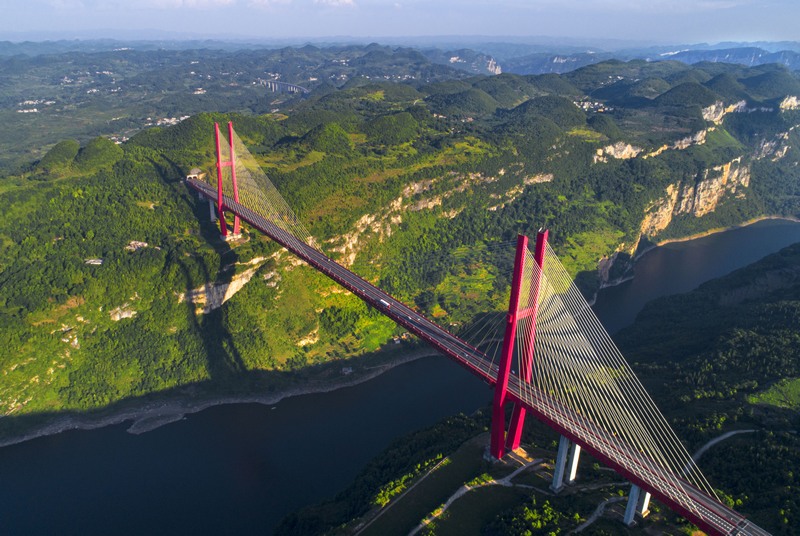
698, 198
620, 151
659, 215
791, 102
717, 111
624, 151
703, 197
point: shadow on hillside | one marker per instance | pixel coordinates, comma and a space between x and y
223, 361
225, 386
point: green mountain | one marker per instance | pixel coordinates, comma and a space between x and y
112, 277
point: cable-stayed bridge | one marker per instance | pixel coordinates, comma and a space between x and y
557, 362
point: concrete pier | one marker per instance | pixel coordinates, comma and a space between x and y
638, 503
566, 464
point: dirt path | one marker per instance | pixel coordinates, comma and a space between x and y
702, 450
601, 508
460, 492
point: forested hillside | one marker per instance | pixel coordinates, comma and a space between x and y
727, 356
112, 275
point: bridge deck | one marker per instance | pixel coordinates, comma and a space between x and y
697, 506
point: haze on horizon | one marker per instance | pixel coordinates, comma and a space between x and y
654, 21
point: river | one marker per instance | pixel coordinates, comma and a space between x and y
238, 469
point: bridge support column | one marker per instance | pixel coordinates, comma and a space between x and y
561, 463
638, 503
572, 463
212, 210
566, 464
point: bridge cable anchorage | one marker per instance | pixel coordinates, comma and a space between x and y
577, 383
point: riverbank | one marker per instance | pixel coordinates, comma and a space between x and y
153, 415
625, 278
710, 232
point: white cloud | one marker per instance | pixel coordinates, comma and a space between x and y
267, 3
192, 4
66, 4
651, 6
336, 3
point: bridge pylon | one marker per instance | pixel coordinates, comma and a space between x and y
223, 226
500, 441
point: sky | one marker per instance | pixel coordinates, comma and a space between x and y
644, 21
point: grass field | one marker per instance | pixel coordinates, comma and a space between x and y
784, 394
467, 515
402, 516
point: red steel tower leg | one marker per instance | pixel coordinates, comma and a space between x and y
496, 447
518, 416
236, 223
223, 227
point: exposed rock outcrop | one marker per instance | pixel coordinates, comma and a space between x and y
624, 151
776, 148
516, 191
419, 196
309, 339
791, 102
349, 243
717, 111
699, 198
619, 150
699, 138
123, 311
212, 295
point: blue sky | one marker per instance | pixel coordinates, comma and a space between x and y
658, 21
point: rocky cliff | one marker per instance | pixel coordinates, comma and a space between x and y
697, 198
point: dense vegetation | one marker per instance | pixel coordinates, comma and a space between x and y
715, 362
